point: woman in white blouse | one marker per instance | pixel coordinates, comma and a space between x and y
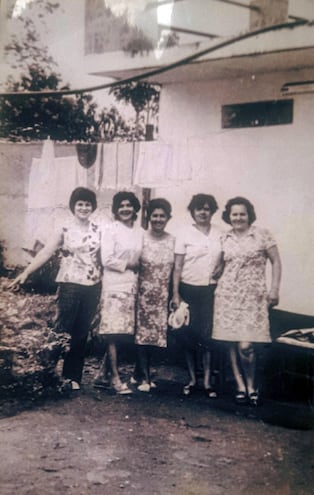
120, 251
197, 258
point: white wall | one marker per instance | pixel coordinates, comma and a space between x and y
272, 166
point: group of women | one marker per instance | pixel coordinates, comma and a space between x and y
131, 274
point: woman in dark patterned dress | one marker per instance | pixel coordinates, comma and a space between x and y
156, 264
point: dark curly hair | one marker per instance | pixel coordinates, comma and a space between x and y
82, 194
238, 200
199, 200
161, 203
125, 196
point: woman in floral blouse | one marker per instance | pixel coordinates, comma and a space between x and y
241, 299
78, 278
156, 264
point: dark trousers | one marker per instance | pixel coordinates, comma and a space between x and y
77, 305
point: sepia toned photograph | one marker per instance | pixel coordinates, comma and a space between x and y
157, 247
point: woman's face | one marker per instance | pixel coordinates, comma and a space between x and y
158, 220
125, 212
239, 217
83, 210
202, 215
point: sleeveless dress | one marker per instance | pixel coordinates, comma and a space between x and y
156, 264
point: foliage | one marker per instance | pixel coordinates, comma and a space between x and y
34, 117
139, 44
112, 126
144, 98
25, 44
37, 117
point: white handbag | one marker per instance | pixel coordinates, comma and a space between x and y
179, 317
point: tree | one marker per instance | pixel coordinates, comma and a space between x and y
37, 117
144, 97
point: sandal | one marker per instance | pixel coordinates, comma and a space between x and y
69, 385
254, 399
188, 389
240, 398
144, 387
121, 388
210, 393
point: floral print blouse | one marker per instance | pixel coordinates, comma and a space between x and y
80, 255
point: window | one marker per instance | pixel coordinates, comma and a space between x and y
257, 114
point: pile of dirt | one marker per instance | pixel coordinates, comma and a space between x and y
29, 347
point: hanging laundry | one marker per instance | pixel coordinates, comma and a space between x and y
69, 174
106, 167
125, 164
86, 153
181, 163
41, 183
153, 164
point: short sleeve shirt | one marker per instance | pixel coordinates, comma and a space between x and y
80, 255
202, 254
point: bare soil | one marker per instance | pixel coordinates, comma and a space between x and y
159, 443
94, 442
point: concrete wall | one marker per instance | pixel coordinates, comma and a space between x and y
15, 163
272, 166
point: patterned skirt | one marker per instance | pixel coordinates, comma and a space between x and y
117, 304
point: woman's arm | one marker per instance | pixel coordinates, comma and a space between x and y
110, 258
176, 277
219, 268
40, 259
273, 255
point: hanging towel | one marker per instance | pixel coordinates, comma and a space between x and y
41, 183
106, 169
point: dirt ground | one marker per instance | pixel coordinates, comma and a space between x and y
93, 442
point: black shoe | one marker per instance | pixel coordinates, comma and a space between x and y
254, 399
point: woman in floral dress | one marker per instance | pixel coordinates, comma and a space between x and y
78, 278
241, 300
156, 264
121, 247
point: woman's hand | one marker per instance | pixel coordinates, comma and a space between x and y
273, 298
20, 279
175, 302
134, 267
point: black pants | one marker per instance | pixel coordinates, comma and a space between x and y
77, 305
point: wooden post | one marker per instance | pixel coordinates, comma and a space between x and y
146, 199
